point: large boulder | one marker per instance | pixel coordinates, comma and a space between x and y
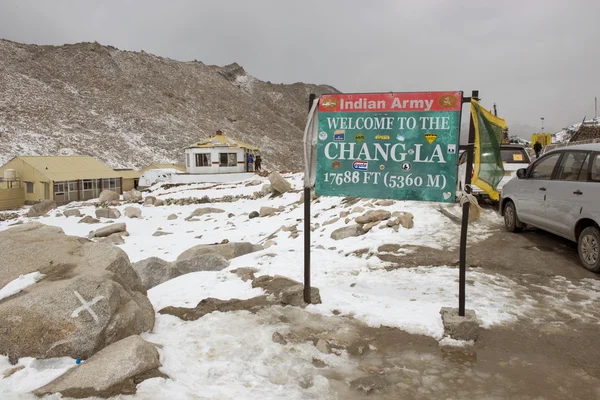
73, 212
111, 213
228, 250
278, 183
266, 189
88, 219
133, 212
373, 216
132, 196
199, 262
106, 196
153, 271
41, 208
89, 295
115, 370
347, 231
110, 229
204, 210
149, 201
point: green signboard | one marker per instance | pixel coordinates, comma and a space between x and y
401, 146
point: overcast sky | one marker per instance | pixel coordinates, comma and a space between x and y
534, 58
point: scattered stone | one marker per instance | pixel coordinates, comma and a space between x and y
73, 212
41, 208
193, 219
172, 217
111, 213
203, 211
246, 274
267, 211
266, 189
320, 247
384, 203
397, 214
159, 203
318, 363
11, 371
347, 220
58, 214
269, 243
153, 271
113, 203
357, 209
460, 328
253, 214
133, 212
132, 196
347, 231
109, 230
230, 215
227, 250
116, 369
389, 248
89, 297
278, 183
323, 346
344, 214
407, 220
331, 221
198, 262
115, 238
161, 233
88, 219
149, 201
290, 228
106, 196
278, 338
255, 182
373, 216
370, 225
313, 196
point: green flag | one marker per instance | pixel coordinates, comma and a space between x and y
488, 169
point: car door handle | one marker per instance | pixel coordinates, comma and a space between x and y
578, 192
544, 189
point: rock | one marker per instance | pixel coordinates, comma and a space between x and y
278, 338
313, 196
266, 189
267, 211
357, 209
246, 274
108, 213
347, 220
370, 225
133, 212
369, 384
407, 220
172, 217
133, 196
389, 248
114, 370
41, 208
153, 271
230, 215
199, 262
109, 230
159, 203
227, 250
12, 371
331, 221
460, 328
255, 182
286, 291
373, 216
384, 203
115, 238
347, 231
392, 222
344, 214
114, 203
397, 214
278, 183
253, 214
88, 298
203, 211
323, 346
73, 212
149, 201
88, 219
106, 196
161, 233
290, 228
269, 243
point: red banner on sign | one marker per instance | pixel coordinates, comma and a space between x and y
385, 102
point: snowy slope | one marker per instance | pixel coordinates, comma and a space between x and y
564, 135
232, 355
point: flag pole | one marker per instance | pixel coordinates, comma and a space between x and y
311, 100
465, 216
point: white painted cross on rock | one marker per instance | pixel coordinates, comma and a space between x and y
86, 306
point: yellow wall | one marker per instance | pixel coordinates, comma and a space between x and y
26, 173
12, 198
127, 184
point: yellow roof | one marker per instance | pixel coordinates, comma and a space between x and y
67, 168
179, 167
129, 173
221, 141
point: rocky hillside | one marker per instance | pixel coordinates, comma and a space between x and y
129, 109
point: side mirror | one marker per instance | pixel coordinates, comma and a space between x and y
522, 173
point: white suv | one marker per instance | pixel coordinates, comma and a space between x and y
559, 193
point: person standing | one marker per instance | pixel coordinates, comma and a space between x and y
537, 147
250, 161
257, 162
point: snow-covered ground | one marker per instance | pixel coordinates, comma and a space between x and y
231, 355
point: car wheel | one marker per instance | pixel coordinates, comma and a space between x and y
510, 218
588, 246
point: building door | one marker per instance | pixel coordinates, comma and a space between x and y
46, 190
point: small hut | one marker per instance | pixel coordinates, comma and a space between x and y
218, 154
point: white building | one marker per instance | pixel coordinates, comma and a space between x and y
218, 155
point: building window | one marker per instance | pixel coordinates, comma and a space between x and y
202, 160
87, 184
227, 159
29, 187
59, 188
73, 186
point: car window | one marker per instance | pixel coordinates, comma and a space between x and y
571, 166
595, 172
514, 156
585, 170
543, 169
